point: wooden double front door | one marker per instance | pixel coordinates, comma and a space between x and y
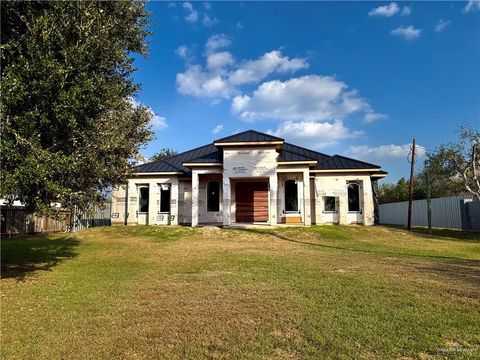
251, 200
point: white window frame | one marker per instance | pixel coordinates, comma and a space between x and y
360, 204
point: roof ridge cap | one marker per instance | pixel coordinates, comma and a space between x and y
250, 130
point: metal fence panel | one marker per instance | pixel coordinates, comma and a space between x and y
98, 216
446, 212
16, 220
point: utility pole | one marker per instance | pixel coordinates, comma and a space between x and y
410, 193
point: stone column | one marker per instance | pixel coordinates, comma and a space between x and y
376, 220
227, 220
318, 201
132, 203
307, 207
368, 206
153, 202
194, 198
174, 202
343, 209
272, 210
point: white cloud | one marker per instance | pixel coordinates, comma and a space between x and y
207, 5
221, 75
219, 60
204, 84
216, 42
157, 122
442, 25
208, 21
406, 11
315, 134
256, 70
472, 5
307, 98
192, 14
380, 153
239, 26
217, 129
408, 33
372, 116
182, 51
385, 10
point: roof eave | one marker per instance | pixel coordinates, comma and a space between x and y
157, 173
187, 164
343, 170
247, 143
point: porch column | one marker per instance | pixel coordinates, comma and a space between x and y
194, 198
307, 207
132, 202
153, 202
343, 209
318, 201
376, 213
174, 202
272, 211
226, 201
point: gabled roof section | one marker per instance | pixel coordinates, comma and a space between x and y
338, 162
290, 152
213, 158
175, 163
249, 136
156, 166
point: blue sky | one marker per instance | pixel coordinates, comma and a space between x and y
353, 78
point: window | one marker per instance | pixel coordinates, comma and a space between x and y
353, 197
165, 198
291, 195
213, 196
143, 199
330, 204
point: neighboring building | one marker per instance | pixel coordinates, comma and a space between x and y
250, 177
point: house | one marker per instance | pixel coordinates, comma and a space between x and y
249, 177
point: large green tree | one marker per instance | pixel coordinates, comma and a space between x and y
163, 154
454, 168
69, 128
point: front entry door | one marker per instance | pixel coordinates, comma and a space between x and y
251, 200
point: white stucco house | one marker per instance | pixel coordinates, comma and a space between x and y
249, 177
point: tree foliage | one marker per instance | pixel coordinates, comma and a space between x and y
69, 129
452, 169
388, 193
456, 165
163, 154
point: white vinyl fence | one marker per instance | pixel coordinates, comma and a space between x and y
446, 212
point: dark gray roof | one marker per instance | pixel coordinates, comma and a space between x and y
289, 152
174, 163
341, 162
249, 136
292, 152
213, 158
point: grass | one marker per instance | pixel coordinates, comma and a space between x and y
327, 292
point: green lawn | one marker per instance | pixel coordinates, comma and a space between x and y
328, 292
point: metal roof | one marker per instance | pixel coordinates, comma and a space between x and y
249, 136
336, 162
176, 162
289, 152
